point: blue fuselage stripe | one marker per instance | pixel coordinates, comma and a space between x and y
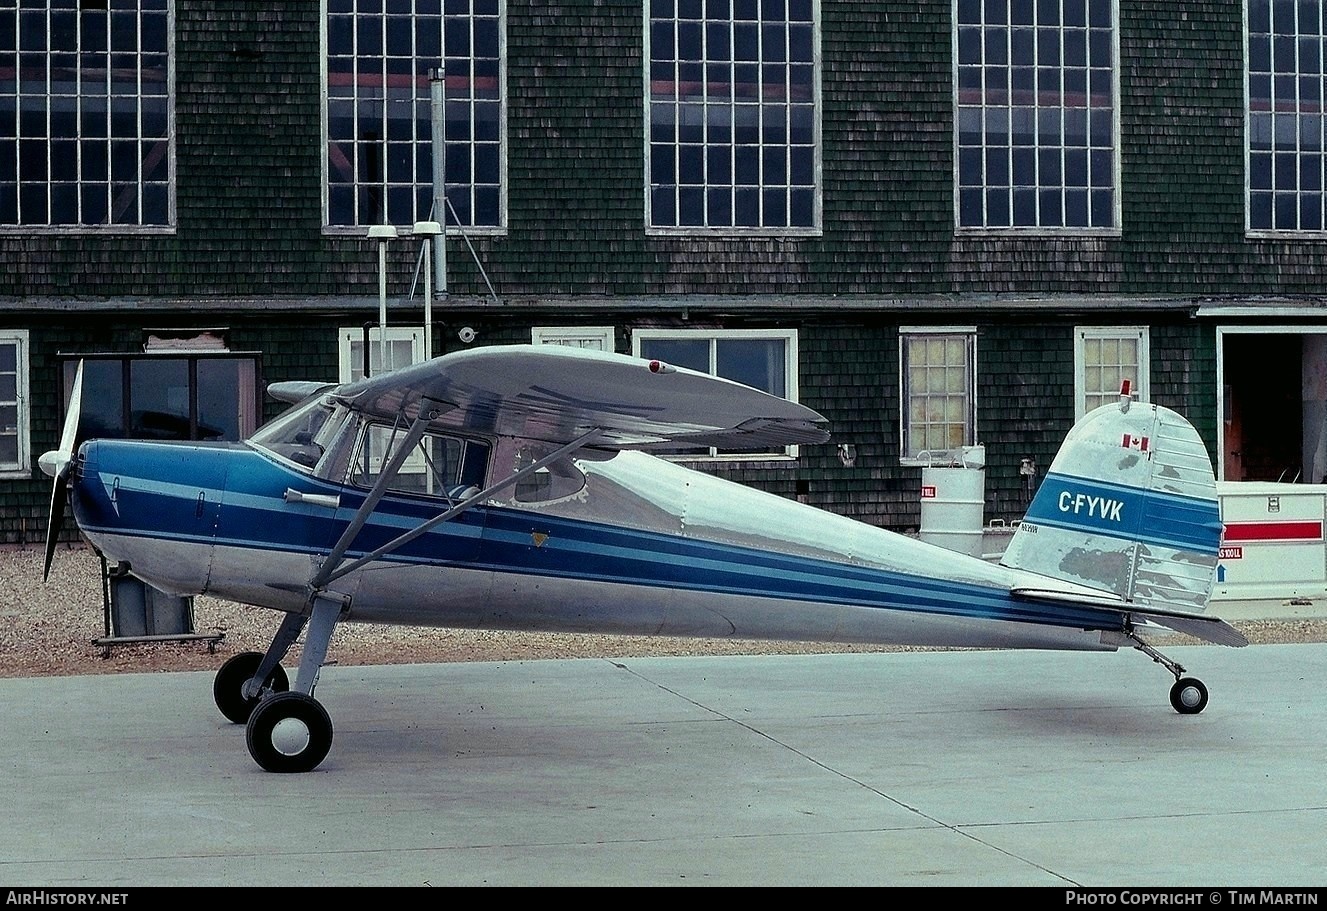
504, 540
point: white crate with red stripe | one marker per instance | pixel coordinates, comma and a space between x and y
1272, 544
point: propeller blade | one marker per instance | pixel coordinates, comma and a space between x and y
55, 518
72, 415
56, 464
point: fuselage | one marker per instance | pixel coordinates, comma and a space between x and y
638, 545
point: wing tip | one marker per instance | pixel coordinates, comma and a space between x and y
295, 391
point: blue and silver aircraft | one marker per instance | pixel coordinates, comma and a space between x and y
520, 488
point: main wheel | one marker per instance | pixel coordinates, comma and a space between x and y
289, 732
1188, 696
228, 685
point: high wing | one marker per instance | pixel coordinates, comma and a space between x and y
557, 394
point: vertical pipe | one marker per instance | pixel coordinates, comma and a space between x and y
382, 307
437, 87
428, 302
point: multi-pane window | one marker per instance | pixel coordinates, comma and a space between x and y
1286, 89
85, 114
380, 57
763, 359
404, 346
176, 396
598, 338
938, 367
1037, 115
1104, 358
733, 115
14, 403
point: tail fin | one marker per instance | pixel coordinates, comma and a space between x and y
1128, 507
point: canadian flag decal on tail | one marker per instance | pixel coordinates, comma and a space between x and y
1133, 442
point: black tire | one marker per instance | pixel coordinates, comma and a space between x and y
228, 685
289, 732
1188, 696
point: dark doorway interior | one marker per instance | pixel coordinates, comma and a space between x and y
1263, 408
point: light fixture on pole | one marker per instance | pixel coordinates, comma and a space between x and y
428, 230
383, 234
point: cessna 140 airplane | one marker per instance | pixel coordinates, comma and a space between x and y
513, 488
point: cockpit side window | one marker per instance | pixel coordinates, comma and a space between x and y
438, 465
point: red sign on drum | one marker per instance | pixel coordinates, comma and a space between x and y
928, 492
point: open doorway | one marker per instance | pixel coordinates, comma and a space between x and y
1274, 405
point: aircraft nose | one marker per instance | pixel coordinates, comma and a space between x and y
153, 505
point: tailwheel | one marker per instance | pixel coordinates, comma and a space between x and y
1188, 696
228, 685
289, 732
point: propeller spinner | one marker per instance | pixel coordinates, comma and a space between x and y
56, 464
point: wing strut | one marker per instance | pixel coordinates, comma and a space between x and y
330, 571
389, 473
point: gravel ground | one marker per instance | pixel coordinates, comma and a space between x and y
48, 629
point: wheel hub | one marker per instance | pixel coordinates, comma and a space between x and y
290, 736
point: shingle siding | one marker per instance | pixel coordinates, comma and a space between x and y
888, 149
1182, 138
249, 165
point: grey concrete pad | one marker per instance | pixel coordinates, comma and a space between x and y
950, 768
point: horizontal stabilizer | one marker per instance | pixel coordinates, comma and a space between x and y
1209, 629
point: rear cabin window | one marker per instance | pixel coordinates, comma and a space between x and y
552, 482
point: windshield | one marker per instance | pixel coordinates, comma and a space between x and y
303, 433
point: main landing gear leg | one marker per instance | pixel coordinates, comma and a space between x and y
249, 677
291, 731
1188, 696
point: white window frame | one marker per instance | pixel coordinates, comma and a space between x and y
22, 466
65, 71
787, 336
1140, 385
907, 455
382, 66
991, 111
598, 338
711, 108
1289, 130
348, 336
